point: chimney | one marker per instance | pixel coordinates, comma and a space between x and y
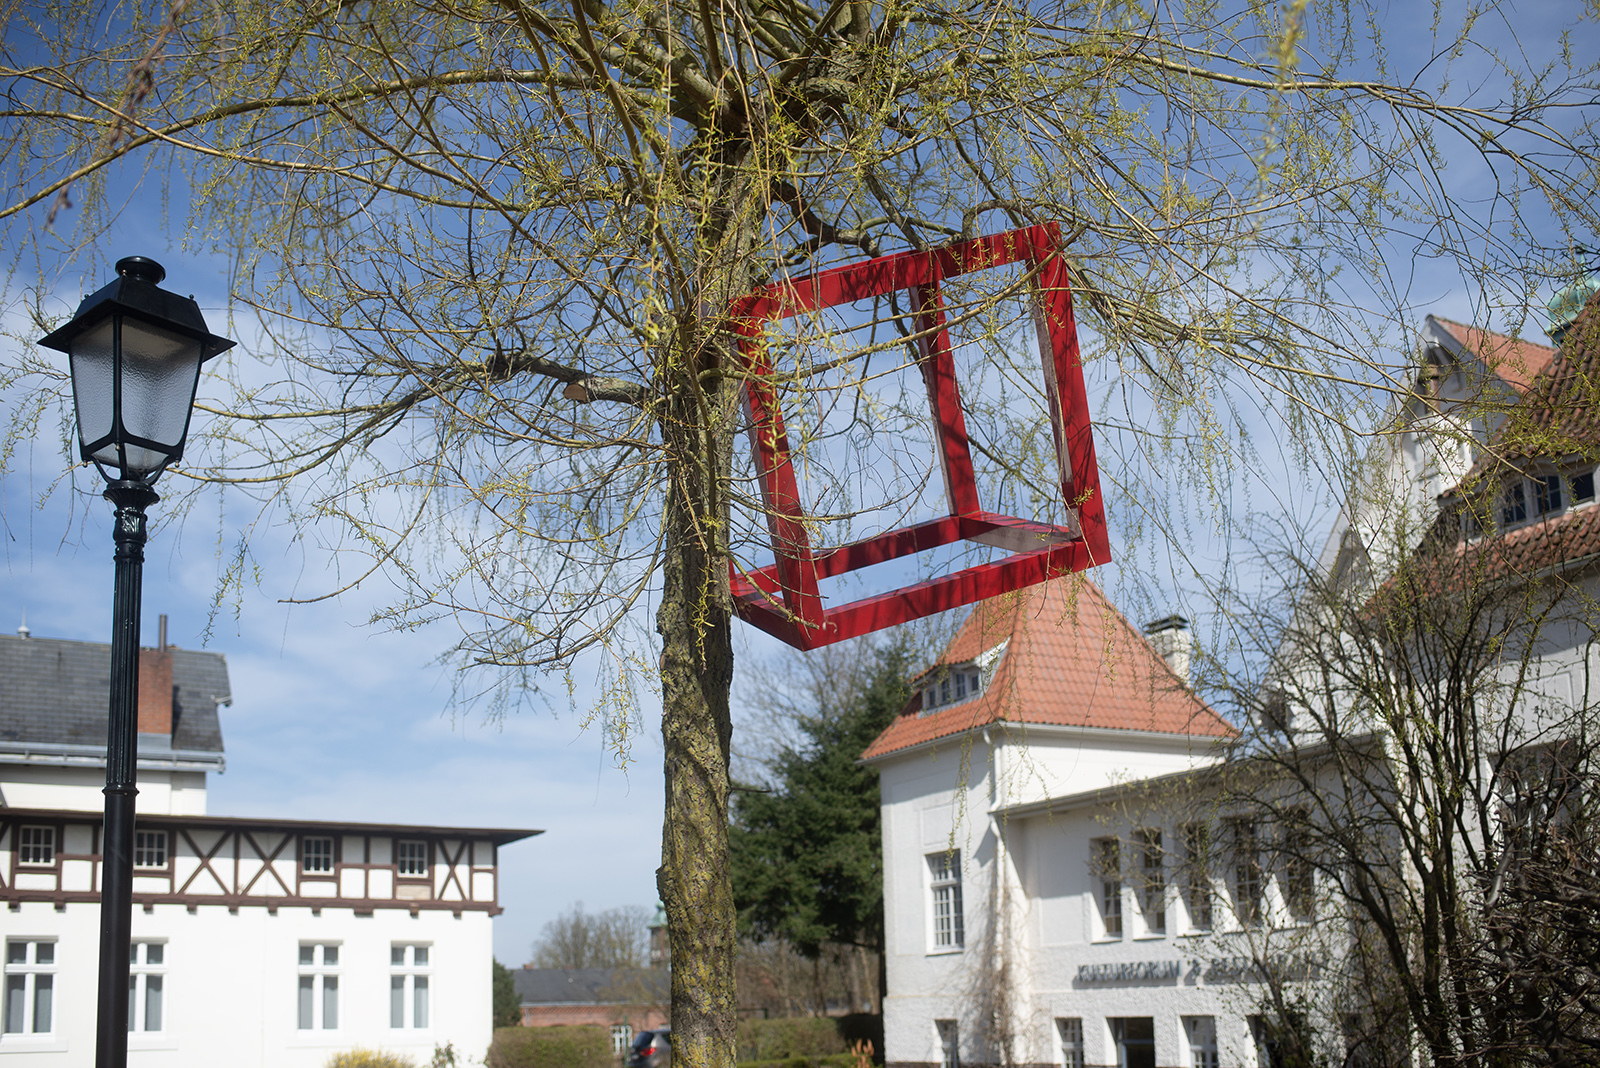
1171, 640
155, 686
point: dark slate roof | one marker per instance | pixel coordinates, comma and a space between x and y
591, 986
56, 692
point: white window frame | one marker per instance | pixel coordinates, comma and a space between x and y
318, 973
947, 922
1299, 873
146, 844
1106, 862
307, 858
947, 1041
147, 986
34, 981
956, 684
400, 860
1572, 491
410, 986
1199, 898
1200, 1032
1153, 882
1118, 1026
1069, 1040
44, 844
1249, 875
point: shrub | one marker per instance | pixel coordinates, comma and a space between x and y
831, 1060
369, 1058
577, 1046
795, 1036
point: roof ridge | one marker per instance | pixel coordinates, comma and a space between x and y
1518, 339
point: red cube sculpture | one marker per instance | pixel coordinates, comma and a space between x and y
782, 598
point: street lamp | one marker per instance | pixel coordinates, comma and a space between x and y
135, 351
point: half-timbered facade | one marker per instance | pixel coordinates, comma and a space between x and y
256, 941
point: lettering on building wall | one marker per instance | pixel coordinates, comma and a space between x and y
1281, 966
1129, 971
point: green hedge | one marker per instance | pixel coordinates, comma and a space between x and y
785, 1039
809, 1037
832, 1060
576, 1046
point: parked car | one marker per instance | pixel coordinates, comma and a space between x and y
651, 1049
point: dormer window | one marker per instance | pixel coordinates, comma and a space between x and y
1514, 504
1547, 494
960, 683
1583, 487
951, 684
1531, 498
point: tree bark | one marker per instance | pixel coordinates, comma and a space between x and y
695, 623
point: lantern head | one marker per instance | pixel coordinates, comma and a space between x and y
135, 351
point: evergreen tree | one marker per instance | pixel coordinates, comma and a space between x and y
808, 852
507, 1006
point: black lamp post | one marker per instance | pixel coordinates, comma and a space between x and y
136, 352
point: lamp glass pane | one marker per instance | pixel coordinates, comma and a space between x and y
159, 371
92, 371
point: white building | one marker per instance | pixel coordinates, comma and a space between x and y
1058, 888
1048, 711
1465, 381
257, 942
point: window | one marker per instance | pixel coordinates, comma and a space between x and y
1201, 1032
1513, 504
411, 858
1197, 876
1154, 904
621, 1035
1135, 1040
949, 1043
30, 985
1582, 487
1246, 874
37, 845
149, 849
1299, 873
316, 854
948, 922
1280, 1042
1547, 494
956, 685
408, 986
319, 987
1071, 1034
146, 982
1108, 865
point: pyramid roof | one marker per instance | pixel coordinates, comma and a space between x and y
1066, 657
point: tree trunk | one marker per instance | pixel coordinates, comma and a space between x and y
696, 674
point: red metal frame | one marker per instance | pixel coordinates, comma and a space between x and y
782, 598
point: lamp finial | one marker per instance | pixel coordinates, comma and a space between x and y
143, 268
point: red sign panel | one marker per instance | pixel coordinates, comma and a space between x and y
782, 598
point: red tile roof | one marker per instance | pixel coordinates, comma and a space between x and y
1516, 360
1071, 659
1519, 556
1560, 410
1559, 416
